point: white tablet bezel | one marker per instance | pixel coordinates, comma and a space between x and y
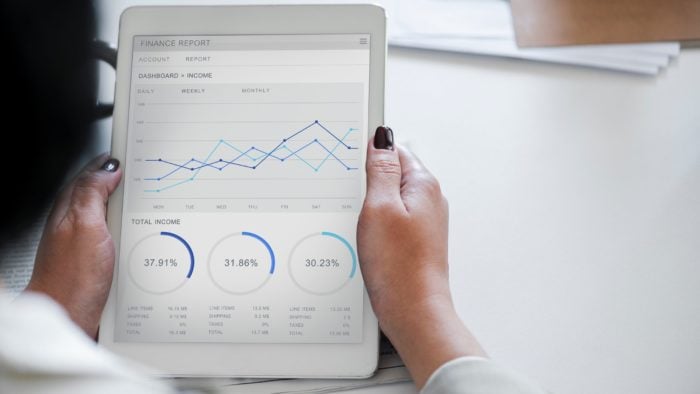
245, 360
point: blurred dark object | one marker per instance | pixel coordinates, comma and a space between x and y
575, 22
49, 102
102, 51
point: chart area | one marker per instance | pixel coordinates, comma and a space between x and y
262, 147
243, 182
195, 278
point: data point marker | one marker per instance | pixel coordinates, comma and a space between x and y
245, 157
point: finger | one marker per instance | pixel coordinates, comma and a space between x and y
411, 166
417, 183
383, 168
62, 201
93, 187
90, 190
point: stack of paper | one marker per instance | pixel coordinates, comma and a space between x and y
485, 27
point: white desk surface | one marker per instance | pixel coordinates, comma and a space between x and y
575, 211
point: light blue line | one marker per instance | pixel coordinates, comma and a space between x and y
170, 186
195, 173
336, 146
207, 159
299, 157
178, 168
347, 244
258, 159
335, 157
240, 151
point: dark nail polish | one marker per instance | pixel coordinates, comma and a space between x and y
111, 165
384, 138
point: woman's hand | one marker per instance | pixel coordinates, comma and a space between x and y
402, 243
75, 259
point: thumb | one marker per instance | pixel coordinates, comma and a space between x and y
87, 195
383, 168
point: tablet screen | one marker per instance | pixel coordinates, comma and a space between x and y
242, 189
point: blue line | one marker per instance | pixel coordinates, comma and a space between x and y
336, 146
239, 151
304, 129
299, 157
189, 249
239, 165
335, 157
203, 164
208, 157
178, 167
269, 153
263, 152
285, 140
352, 251
329, 132
236, 158
303, 147
256, 160
267, 245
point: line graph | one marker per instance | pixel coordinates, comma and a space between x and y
265, 147
252, 157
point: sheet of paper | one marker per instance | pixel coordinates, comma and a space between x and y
484, 27
508, 49
449, 18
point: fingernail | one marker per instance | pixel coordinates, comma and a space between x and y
111, 165
384, 138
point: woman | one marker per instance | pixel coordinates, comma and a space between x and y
47, 334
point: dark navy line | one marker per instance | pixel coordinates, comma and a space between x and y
333, 135
259, 160
189, 249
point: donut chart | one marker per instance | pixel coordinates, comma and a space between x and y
161, 263
322, 263
241, 263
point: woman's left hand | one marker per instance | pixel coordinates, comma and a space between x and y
75, 259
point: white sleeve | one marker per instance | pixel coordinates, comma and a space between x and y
476, 375
42, 351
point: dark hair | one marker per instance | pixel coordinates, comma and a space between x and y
48, 101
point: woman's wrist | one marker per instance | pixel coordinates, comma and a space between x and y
428, 333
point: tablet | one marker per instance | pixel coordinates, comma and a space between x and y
242, 131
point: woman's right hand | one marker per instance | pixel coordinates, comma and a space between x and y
402, 242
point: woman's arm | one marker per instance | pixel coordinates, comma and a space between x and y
75, 259
402, 242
